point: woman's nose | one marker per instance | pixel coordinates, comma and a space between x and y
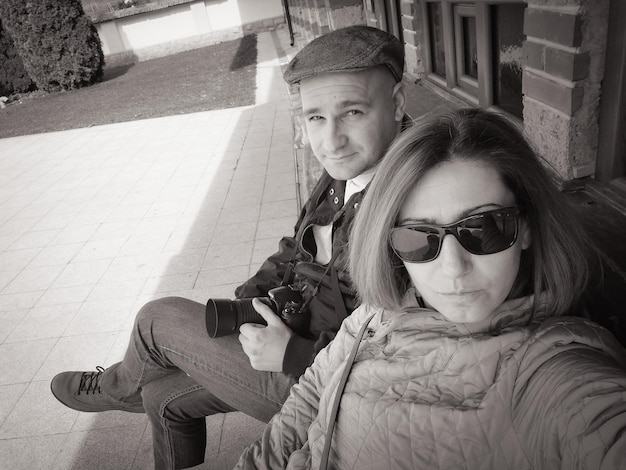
455, 260
335, 138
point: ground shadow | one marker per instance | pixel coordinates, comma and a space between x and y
114, 72
246, 54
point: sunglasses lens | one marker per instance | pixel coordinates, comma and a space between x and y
489, 233
482, 234
411, 244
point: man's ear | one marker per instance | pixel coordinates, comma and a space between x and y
399, 101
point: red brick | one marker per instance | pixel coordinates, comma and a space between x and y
569, 65
533, 54
562, 28
552, 93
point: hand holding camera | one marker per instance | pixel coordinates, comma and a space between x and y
265, 346
224, 317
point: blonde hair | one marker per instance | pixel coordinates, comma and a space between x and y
554, 264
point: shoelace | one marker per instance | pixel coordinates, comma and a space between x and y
90, 381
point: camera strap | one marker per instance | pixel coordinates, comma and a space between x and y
319, 283
342, 384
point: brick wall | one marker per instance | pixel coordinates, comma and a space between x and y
564, 64
563, 72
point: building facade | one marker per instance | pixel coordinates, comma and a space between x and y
557, 66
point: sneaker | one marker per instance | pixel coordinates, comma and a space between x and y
81, 391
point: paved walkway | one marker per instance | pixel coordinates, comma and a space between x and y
95, 222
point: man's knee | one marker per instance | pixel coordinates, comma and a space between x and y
172, 401
169, 307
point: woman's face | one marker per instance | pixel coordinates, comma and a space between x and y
463, 287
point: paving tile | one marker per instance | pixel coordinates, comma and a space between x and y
33, 279
235, 254
278, 209
277, 227
42, 452
43, 322
101, 315
83, 352
34, 239
20, 300
19, 362
6, 277
18, 226
16, 260
53, 221
54, 255
75, 233
9, 321
64, 295
217, 277
37, 413
9, 396
82, 273
100, 249
171, 283
82, 449
183, 261
226, 234
246, 213
126, 268
104, 291
178, 206
264, 247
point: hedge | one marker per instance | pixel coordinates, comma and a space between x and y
58, 43
13, 76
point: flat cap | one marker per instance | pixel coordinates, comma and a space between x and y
351, 49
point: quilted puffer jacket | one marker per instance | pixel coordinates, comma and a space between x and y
424, 393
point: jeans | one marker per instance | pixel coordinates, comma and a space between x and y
180, 375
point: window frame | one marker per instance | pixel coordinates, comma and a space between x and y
475, 92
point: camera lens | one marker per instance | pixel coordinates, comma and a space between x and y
224, 316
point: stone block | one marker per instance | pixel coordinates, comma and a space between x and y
560, 27
552, 93
408, 23
549, 130
569, 65
407, 7
410, 37
533, 54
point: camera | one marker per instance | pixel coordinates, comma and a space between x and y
224, 317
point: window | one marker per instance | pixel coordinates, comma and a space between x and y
437, 54
474, 49
507, 41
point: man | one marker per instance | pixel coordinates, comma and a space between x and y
353, 104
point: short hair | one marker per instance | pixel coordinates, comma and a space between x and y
554, 264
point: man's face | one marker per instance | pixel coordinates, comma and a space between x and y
351, 118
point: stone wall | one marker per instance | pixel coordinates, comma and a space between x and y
563, 71
564, 67
160, 29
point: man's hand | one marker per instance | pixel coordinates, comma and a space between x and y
265, 346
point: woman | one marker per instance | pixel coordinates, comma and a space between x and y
470, 360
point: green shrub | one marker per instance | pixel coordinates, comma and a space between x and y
58, 43
13, 76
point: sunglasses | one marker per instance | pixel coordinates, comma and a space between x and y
484, 233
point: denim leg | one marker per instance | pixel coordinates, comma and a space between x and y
177, 406
169, 337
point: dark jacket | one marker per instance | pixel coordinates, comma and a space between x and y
335, 298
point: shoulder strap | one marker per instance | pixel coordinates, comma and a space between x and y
339, 393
